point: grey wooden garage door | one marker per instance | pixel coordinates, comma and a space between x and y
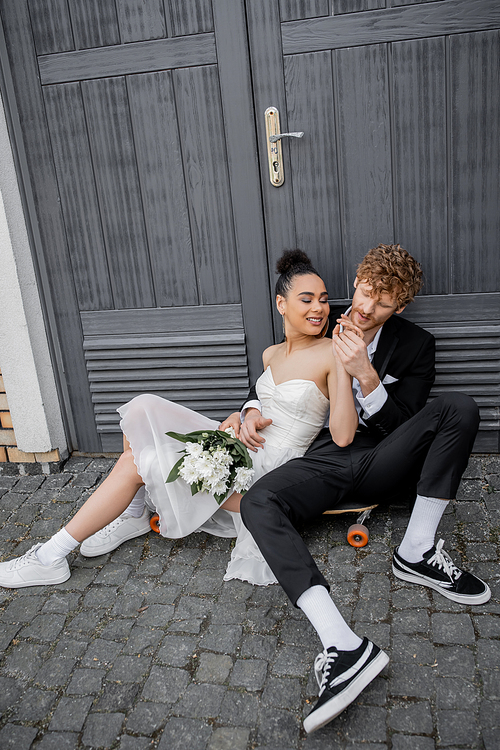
139, 127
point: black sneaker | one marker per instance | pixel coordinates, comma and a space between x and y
438, 571
341, 676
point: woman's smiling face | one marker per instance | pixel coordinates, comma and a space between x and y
306, 305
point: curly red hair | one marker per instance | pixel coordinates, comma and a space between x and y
391, 269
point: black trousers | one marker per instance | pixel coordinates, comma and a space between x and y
430, 450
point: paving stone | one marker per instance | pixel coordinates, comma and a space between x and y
488, 653
86, 621
231, 613
80, 579
24, 661
85, 681
76, 464
156, 615
22, 609
405, 742
117, 697
100, 596
457, 728
55, 672
263, 619
239, 709
146, 718
10, 690
101, 654
412, 680
180, 734
69, 647
415, 718
223, 639
292, 661
366, 723
213, 668
229, 738
114, 574
200, 701
7, 633
205, 580
491, 683
13, 737
278, 727
130, 552
176, 650
249, 673
102, 730
163, 594
297, 632
44, 628
127, 605
378, 632
127, 742
488, 626
165, 684
410, 621
143, 641
177, 574
117, 630
70, 714
408, 598
456, 692
371, 610
58, 741
451, 628
455, 661
259, 646
408, 649
61, 603
283, 692
129, 668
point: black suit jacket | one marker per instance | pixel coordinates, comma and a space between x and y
405, 353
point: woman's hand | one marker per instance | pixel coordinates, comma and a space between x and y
234, 421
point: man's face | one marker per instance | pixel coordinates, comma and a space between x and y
370, 312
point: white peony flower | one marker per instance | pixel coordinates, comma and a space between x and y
230, 431
194, 449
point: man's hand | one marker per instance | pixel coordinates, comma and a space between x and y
351, 350
249, 431
234, 421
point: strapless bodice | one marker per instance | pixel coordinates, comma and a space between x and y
297, 407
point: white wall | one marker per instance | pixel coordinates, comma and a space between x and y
24, 353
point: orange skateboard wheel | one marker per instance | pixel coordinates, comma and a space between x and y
154, 522
357, 535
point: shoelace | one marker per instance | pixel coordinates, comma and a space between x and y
443, 561
29, 556
110, 527
322, 664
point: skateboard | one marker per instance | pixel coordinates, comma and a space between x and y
357, 534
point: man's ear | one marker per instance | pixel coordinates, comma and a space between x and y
398, 312
355, 282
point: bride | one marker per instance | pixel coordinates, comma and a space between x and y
303, 379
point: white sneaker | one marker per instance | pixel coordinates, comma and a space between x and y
111, 536
29, 571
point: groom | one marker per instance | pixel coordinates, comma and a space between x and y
400, 441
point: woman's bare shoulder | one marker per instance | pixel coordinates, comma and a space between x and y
269, 353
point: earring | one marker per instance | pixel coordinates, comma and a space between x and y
283, 323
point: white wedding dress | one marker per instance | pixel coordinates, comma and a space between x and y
298, 410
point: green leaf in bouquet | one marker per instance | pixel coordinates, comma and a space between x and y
174, 471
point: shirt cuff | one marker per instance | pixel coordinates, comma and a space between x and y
250, 405
375, 400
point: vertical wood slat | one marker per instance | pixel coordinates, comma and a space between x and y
340, 7
292, 10
204, 156
364, 146
475, 159
420, 169
233, 58
111, 141
159, 161
266, 56
309, 90
73, 163
46, 222
140, 20
191, 16
94, 23
51, 24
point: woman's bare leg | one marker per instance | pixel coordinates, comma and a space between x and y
232, 503
109, 500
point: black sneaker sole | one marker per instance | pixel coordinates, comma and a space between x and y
339, 703
459, 598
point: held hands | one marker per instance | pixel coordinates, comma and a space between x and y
247, 431
350, 349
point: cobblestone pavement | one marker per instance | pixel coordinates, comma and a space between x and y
148, 648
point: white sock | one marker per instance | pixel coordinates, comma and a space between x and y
421, 531
56, 548
136, 507
319, 608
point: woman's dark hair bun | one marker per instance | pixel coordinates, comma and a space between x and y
291, 258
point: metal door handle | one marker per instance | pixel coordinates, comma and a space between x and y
274, 154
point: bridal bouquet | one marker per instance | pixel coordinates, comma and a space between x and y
213, 461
